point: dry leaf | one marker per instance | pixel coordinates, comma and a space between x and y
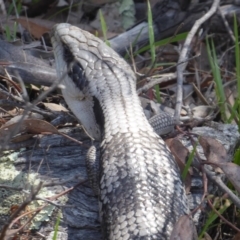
180, 153
5, 131
32, 126
232, 172
213, 150
36, 126
184, 229
37, 27
55, 107
21, 138
217, 154
236, 237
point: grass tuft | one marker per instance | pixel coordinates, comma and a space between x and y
104, 27
56, 228
217, 78
237, 59
189, 162
152, 47
221, 206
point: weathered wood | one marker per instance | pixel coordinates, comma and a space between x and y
55, 158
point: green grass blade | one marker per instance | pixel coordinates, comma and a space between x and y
237, 59
236, 158
151, 34
212, 217
8, 34
179, 37
15, 31
189, 162
233, 111
10, 9
19, 7
217, 78
104, 27
56, 228
152, 47
237, 52
133, 44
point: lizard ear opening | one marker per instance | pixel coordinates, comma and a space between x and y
98, 112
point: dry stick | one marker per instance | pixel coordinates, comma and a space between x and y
154, 80
217, 180
53, 203
3, 8
229, 30
11, 232
23, 88
184, 56
200, 95
162, 78
70, 138
62, 182
9, 80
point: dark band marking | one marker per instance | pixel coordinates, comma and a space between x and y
98, 113
75, 70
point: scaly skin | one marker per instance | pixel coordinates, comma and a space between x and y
141, 193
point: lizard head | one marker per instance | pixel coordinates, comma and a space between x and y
93, 75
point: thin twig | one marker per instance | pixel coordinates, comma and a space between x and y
184, 56
72, 139
17, 212
229, 30
218, 181
162, 78
62, 182
12, 188
53, 203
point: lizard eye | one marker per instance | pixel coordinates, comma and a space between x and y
75, 70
